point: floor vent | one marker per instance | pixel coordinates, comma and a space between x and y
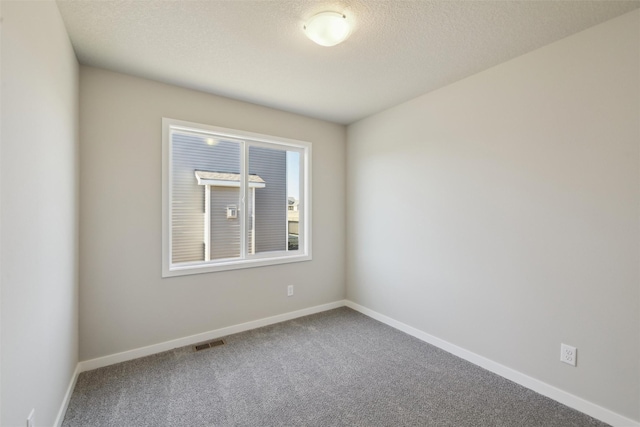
206, 345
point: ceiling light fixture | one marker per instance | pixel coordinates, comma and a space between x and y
328, 28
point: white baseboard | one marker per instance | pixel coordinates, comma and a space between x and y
538, 386
67, 397
112, 359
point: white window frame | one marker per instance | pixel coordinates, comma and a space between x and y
248, 139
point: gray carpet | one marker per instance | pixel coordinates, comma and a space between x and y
337, 368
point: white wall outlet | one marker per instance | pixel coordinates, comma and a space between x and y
568, 354
290, 290
31, 419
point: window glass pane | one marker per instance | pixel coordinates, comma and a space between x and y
205, 194
267, 224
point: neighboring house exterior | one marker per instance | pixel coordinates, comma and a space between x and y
292, 204
293, 219
221, 218
206, 197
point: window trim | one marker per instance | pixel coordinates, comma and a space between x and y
246, 261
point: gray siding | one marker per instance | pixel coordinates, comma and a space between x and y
271, 201
224, 232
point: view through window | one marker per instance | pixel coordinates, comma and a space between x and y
232, 199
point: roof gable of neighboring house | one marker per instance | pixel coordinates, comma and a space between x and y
226, 179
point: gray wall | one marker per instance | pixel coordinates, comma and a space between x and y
501, 213
271, 201
124, 302
39, 203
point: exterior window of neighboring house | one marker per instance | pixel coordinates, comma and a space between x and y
232, 199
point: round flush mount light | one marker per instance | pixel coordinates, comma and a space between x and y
327, 28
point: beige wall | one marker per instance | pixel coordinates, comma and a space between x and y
124, 302
39, 203
501, 213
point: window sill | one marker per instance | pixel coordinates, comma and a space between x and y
201, 268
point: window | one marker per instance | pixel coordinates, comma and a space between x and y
232, 199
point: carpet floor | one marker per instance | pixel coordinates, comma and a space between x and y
336, 368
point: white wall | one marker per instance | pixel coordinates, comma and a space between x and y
39, 203
501, 213
124, 302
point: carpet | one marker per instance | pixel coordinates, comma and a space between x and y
336, 368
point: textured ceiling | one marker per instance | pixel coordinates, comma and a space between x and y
256, 50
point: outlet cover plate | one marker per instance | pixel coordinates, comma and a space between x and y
568, 354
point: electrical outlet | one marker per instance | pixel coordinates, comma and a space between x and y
31, 418
568, 354
290, 290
